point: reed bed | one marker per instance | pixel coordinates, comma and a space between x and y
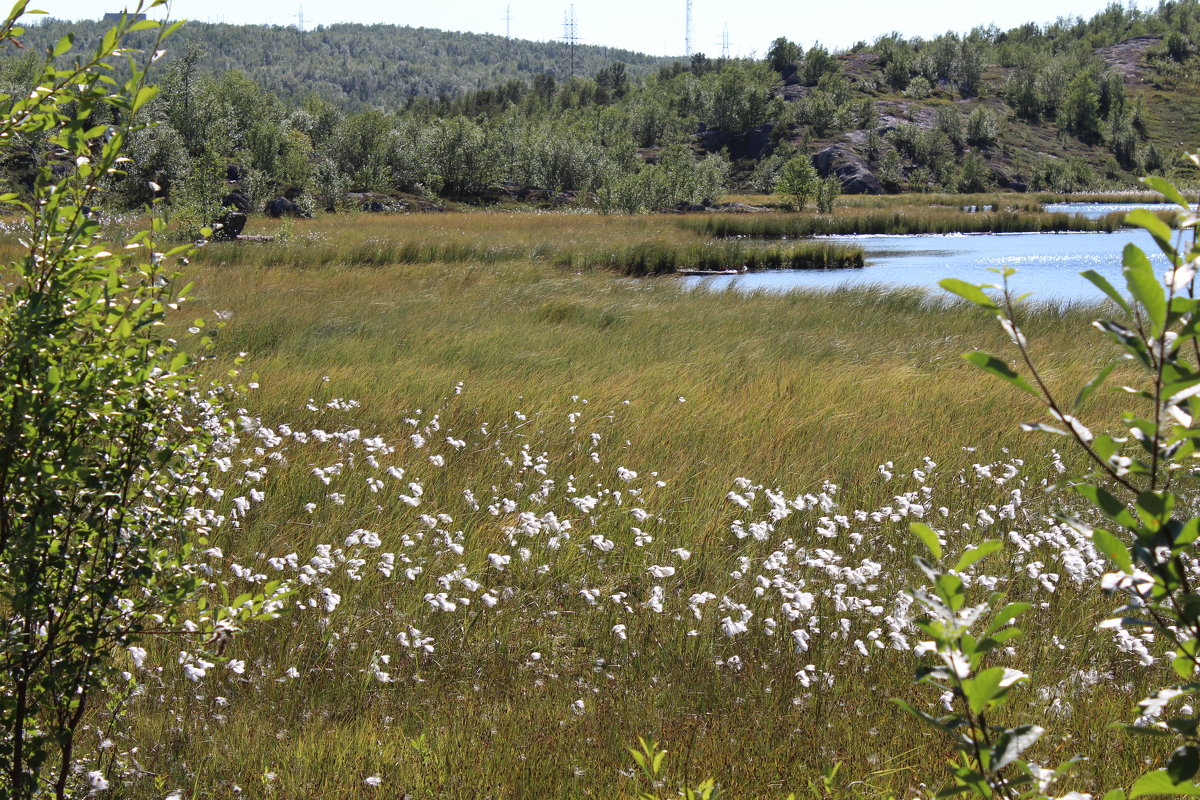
895, 222
995, 201
574, 242
1103, 197
656, 259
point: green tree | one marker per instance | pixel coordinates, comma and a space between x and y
797, 182
983, 128
967, 68
783, 53
828, 191
891, 171
949, 122
974, 175
1082, 111
106, 429
817, 62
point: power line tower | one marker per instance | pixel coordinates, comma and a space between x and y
689, 31
508, 23
571, 37
300, 18
725, 42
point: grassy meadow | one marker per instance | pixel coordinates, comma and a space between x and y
534, 509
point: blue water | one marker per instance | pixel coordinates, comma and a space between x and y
1097, 210
1049, 263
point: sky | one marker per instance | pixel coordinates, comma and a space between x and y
649, 26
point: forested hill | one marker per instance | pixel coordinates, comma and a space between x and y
388, 117
361, 66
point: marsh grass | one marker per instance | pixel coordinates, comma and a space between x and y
892, 221
1003, 201
625, 245
694, 388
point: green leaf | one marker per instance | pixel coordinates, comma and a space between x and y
1112, 508
919, 714
1185, 725
1112, 547
969, 292
1155, 508
1183, 763
1106, 446
1114, 794
1159, 782
1012, 743
977, 553
1184, 663
1143, 284
1167, 190
1006, 614
983, 688
144, 95
1189, 533
1126, 338
1101, 283
950, 588
64, 44
1148, 220
1094, 384
927, 535
1001, 370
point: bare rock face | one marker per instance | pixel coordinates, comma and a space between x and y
852, 171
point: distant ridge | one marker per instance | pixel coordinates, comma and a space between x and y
357, 66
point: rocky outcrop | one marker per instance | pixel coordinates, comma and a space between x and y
237, 201
282, 206
852, 171
751, 143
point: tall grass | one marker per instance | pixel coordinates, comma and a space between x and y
626, 245
902, 221
659, 259
692, 390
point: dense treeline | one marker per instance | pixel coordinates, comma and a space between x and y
382, 116
365, 66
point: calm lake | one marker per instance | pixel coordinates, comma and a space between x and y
1049, 263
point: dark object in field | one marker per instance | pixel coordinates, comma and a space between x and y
750, 143
236, 201
230, 226
852, 171
231, 223
529, 195
282, 206
234, 173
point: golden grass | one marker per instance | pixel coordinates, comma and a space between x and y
701, 388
